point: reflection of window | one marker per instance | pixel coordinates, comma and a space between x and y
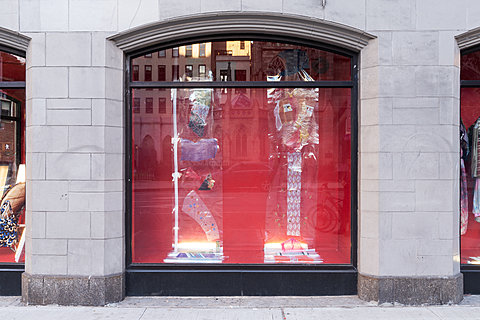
161, 54
240, 75
162, 105
149, 55
162, 76
241, 143
263, 143
223, 75
189, 71
242, 45
188, 51
148, 73
136, 105
175, 72
202, 49
149, 105
202, 71
8, 108
175, 52
135, 72
276, 66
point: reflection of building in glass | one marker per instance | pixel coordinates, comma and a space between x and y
240, 115
153, 108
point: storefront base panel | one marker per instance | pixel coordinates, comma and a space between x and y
471, 281
10, 282
71, 290
240, 283
411, 290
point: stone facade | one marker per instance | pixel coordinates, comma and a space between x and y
408, 186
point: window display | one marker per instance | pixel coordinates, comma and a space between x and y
12, 159
253, 176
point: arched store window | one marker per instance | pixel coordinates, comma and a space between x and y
12, 157
254, 174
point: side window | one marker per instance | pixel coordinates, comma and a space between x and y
12, 158
469, 158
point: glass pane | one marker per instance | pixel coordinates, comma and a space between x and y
470, 66
263, 176
259, 61
470, 212
12, 67
12, 174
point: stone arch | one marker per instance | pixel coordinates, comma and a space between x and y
209, 26
14, 41
468, 39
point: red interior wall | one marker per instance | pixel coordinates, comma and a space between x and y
248, 188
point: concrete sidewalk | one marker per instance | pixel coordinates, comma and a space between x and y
248, 308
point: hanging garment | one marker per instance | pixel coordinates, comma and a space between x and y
198, 117
464, 151
475, 145
294, 187
197, 151
198, 211
463, 199
464, 142
476, 199
208, 183
278, 121
8, 226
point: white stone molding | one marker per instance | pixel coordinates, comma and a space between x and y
241, 23
13, 39
468, 39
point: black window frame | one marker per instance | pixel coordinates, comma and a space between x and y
243, 279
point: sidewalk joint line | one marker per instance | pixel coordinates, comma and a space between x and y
144, 310
436, 315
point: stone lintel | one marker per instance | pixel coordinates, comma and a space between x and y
72, 290
411, 290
